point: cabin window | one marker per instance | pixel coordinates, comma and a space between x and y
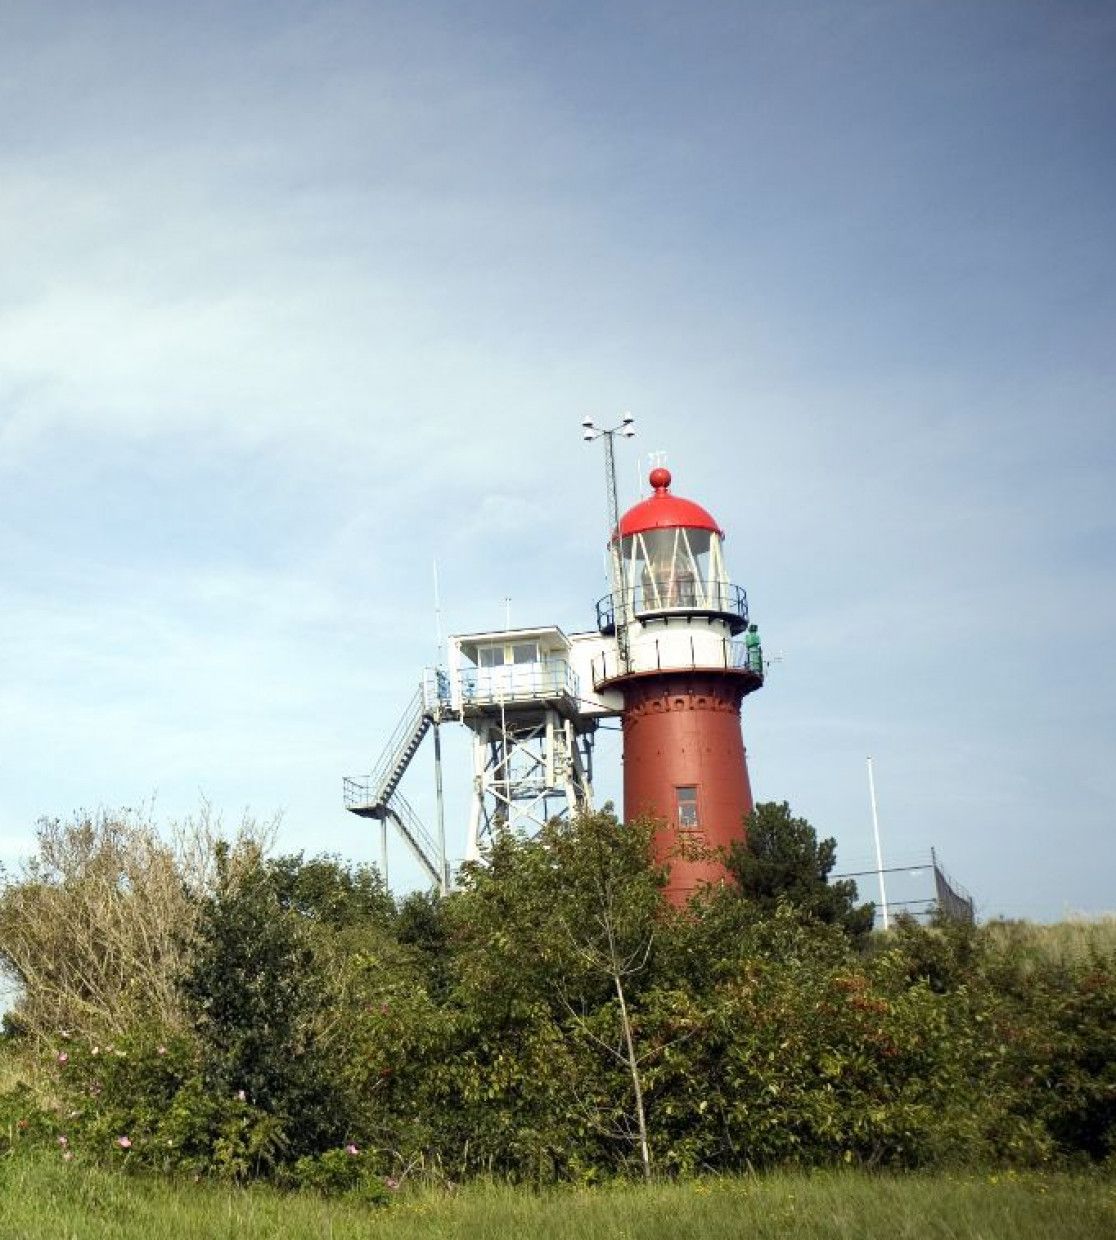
501, 656
687, 806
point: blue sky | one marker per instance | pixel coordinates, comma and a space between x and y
298, 296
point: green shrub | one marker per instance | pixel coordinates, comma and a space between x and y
1066, 1058
537, 1022
142, 1101
343, 1172
24, 1124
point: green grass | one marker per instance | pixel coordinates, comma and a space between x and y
1064, 943
42, 1198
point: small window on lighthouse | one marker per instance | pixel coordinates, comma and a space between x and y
687, 806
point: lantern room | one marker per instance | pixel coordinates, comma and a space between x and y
667, 558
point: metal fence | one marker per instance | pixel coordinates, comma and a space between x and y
921, 889
953, 900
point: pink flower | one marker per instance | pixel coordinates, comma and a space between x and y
392, 1183
63, 1058
124, 1143
241, 1096
351, 1149
162, 1050
63, 1142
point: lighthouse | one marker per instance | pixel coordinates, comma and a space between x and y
673, 656
681, 654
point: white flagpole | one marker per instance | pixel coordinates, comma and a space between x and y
879, 851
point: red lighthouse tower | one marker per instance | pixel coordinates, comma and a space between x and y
683, 670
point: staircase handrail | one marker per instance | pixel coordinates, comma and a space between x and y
416, 835
410, 729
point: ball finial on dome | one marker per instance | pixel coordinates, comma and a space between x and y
660, 478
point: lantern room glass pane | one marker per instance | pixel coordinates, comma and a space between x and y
698, 543
674, 569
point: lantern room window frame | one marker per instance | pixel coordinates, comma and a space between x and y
669, 569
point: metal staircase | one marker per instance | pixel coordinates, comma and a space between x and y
416, 836
377, 795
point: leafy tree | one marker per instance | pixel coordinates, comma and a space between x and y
553, 940
90, 927
254, 991
327, 890
783, 860
421, 927
612, 934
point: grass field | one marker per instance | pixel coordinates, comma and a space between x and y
47, 1198
1065, 943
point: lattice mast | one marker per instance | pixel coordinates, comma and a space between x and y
591, 431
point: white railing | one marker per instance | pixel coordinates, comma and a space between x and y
517, 682
672, 656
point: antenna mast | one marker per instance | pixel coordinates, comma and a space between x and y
589, 432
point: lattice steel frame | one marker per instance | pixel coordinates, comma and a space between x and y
527, 769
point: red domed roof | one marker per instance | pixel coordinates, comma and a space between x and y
664, 511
